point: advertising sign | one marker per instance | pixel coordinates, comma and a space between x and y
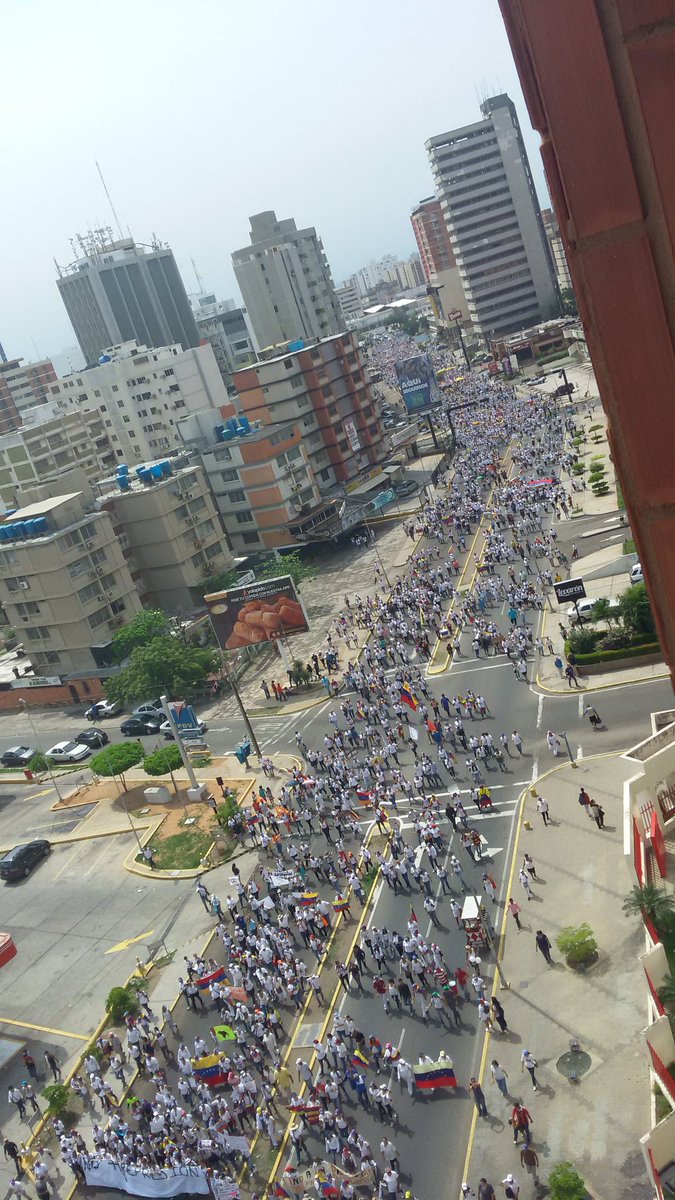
160, 1181
570, 589
417, 381
260, 612
352, 434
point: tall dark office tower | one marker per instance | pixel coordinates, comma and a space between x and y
118, 291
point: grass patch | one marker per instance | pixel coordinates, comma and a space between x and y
629, 546
369, 879
181, 852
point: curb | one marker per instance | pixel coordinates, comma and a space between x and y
599, 687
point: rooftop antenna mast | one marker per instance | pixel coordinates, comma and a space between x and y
200, 283
112, 206
3, 356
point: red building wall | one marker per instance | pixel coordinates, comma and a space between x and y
599, 82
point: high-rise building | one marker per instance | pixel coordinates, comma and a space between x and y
53, 438
483, 181
118, 291
562, 271
227, 329
432, 237
286, 283
22, 386
141, 394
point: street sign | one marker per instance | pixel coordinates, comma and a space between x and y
383, 498
246, 578
184, 715
570, 589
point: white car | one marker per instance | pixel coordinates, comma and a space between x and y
67, 752
152, 708
636, 575
166, 729
102, 708
584, 608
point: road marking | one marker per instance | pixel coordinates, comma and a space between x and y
580, 753
69, 859
477, 666
535, 770
36, 795
581, 706
78, 1037
129, 942
540, 710
98, 858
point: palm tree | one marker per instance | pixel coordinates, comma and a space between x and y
667, 993
603, 611
653, 902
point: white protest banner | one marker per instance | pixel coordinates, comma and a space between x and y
161, 1181
225, 1188
279, 879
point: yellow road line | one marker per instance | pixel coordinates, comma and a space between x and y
78, 1037
36, 795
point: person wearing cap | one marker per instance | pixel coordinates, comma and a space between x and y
511, 1187
468, 1192
530, 1160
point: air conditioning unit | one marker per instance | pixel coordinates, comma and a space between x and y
188, 495
25, 619
92, 574
89, 545
110, 595
24, 585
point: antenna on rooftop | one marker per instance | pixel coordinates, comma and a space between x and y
3, 356
200, 282
112, 206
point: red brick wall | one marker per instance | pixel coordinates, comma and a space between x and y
51, 697
598, 80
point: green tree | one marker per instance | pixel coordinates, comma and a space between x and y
636, 611
144, 627
116, 759
577, 943
219, 582
603, 611
569, 303
287, 564
565, 1183
164, 761
164, 665
58, 1097
121, 1000
667, 993
653, 902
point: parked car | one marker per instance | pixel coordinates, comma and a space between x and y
17, 756
101, 709
536, 379
69, 752
139, 726
151, 708
565, 389
636, 575
407, 488
19, 862
166, 729
584, 608
94, 738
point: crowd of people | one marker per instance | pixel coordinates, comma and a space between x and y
389, 746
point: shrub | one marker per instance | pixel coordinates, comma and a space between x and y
578, 469
58, 1096
583, 641
564, 1183
600, 656
577, 943
38, 763
613, 641
592, 428
121, 1000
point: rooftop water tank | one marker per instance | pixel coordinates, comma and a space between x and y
244, 425
166, 467
124, 483
40, 524
122, 469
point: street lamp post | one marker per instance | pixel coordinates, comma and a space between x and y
456, 316
373, 542
242, 708
26, 708
569, 752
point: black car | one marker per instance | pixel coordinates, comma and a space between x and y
19, 862
565, 389
17, 756
93, 738
137, 726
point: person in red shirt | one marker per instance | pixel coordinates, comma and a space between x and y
463, 981
520, 1122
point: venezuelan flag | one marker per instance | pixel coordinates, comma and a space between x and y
210, 1070
308, 898
281, 1192
340, 904
206, 980
429, 1075
359, 1059
407, 697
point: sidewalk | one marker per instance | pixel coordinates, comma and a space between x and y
547, 677
594, 1123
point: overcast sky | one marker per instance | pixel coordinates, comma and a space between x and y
202, 113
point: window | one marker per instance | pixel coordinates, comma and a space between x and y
297, 381
213, 551
222, 455
48, 658
117, 606
98, 557
244, 518
76, 568
229, 476
288, 362
12, 584
250, 539
98, 618
115, 387
38, 633
237, 496
308, 420
74, 538
30, 608
294, 453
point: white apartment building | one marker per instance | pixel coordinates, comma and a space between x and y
64, 583
286, 283
141, 393
169, 530
483, 181
227, 329
53, 438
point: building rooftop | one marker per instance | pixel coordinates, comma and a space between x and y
39, 508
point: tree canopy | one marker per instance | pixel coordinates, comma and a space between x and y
163, 761
164, 665
146, 625
116, 759
287, 564
635, 609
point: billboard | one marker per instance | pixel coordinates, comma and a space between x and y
259, 612
417, 381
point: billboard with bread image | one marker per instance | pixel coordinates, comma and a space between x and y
259, 612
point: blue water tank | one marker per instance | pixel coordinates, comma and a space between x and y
41, 524
166, 467
104, 358
231, 424
4, 534
124, 483
156, 471
145, 475
219, 432
228, 434
140, 470
122, 469
10, 512
298, 345
244, 425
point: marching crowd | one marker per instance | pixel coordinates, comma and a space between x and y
201, 1101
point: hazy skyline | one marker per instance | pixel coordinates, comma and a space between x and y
201, 115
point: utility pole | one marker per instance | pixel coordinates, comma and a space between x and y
456, 316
